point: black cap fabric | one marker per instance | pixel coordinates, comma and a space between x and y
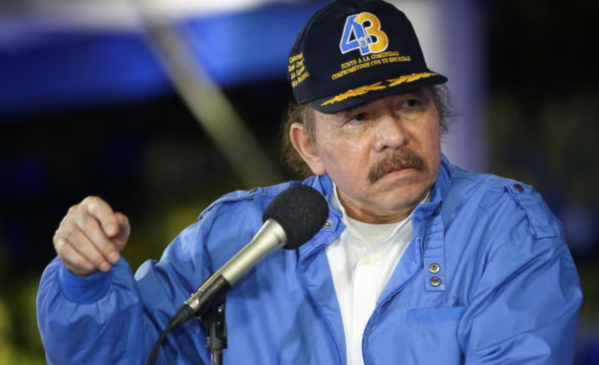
354, 51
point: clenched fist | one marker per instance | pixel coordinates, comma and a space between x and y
91, 237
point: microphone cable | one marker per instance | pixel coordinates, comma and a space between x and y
182, 315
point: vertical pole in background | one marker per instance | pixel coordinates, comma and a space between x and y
450, 33
207, 103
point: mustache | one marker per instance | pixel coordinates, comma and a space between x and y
397, 161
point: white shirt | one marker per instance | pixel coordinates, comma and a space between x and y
362, 261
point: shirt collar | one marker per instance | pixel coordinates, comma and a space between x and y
421, 214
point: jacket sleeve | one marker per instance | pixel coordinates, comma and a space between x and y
114, 317
524, 309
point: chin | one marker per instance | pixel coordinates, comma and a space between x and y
404, 195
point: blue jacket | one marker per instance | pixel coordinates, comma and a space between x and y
508, 293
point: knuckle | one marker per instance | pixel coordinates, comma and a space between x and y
58, 244
65, 252
91, 202
74, 235
73, 209
78, 219
84, 222
73, 212
90, 198
94, 202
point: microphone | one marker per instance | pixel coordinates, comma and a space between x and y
290, 220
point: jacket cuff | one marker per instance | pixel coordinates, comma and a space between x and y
85, 290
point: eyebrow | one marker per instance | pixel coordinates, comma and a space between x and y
346, 113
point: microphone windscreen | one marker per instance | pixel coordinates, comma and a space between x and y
301, 211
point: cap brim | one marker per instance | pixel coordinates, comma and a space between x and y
328, 106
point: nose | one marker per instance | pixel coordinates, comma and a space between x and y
390, 133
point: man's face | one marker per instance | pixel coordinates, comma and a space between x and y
383, 156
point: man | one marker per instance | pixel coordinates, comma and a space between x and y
420, 262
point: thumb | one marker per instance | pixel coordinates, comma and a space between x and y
120, 240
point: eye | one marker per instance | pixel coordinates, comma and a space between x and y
411, 103
359, 117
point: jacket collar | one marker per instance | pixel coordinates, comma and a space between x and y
335, 226
427, 248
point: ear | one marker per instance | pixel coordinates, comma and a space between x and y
306, 148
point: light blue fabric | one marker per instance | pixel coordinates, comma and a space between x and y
508, 292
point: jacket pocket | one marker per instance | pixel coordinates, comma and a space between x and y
440, 314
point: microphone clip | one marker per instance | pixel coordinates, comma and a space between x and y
215, 327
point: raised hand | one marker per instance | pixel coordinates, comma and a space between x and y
91, 237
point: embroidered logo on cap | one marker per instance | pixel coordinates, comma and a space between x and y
368, 39
374, 87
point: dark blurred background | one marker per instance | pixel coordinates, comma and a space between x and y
94, 100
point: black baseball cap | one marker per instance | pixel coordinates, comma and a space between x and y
354, 51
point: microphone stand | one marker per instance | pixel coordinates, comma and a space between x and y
215, 326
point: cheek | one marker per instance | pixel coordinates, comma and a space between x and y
431, 137
432, 150
344, 160
425, 142
432, 145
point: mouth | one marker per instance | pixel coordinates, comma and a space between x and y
398, 171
